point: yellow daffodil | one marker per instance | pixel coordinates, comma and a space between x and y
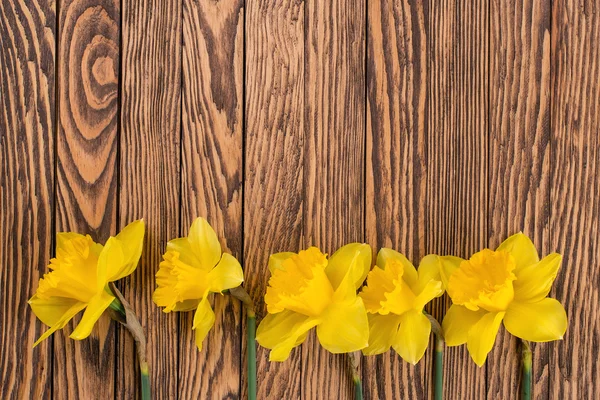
307, 290
394, 297
508, 285
79, 276
193, 267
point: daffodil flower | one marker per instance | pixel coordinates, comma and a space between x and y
508, 285
192, 268
307, 290
79, 278
395, 296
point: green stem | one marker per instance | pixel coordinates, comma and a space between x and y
243, 296
439, 368
145, 380
525, 370
353, 364
358, 392
251, 354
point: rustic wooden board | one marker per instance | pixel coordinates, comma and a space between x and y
575, 205
397, 121
334, 154
212, 180
149, 180
274, 140
457, 156
27, 126
86, 175
519, 160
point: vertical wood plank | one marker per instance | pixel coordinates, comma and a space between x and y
88, 90
397, 68
334, 167
149, 180
213, 42
575, 183
27, 129
457, 177
274, 139
519, 156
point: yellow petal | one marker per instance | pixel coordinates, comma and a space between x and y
534, 281
448, 264
62, 321
432, 289
522, 249
204, 319
92, 313
410, 273
457, 323
344, 327
205, 243
131, 243
276, 260
542, 321
51, 310
413, 336
354, 259
429, 270
382, 332
186, 253
226, 275
482, 336
282, 332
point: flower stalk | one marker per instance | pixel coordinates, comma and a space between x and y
438, 393
121, 312
241, 294
353, 365
525, 370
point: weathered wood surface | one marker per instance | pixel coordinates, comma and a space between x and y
422, 126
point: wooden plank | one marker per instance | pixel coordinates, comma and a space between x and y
213, 37
457, 147
519, 157
86, 197
334, 159
27, 128
274, 138
397, 81
575, 183
149, 180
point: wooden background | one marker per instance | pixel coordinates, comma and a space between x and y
427, 126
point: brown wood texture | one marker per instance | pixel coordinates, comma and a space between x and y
574, 371
519, 159
27, 126
429, 127
397, 82
86, 171
149, 179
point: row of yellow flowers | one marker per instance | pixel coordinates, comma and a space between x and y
352, 306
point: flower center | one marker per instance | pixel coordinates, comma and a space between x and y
301, 285
386, 291
484, 281
74, 272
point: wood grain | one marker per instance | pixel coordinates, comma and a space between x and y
397, 82
149, 180
457, 156
519, 165
213, 44
274, 142
334, 154
86, 192
575, 183
27, 127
